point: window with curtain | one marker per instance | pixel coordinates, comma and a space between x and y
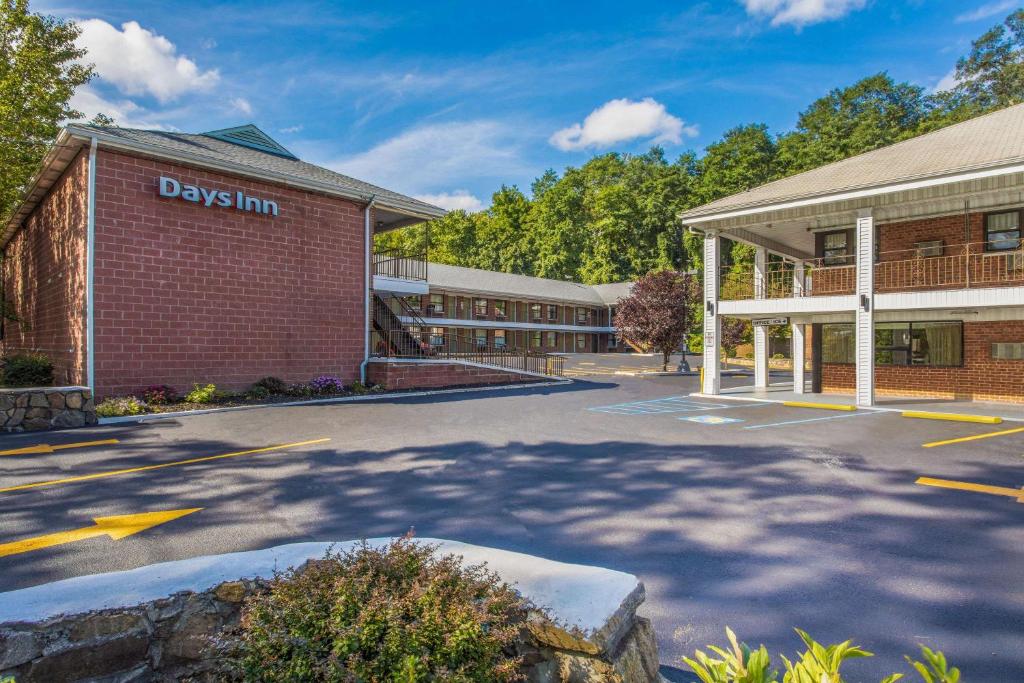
535, 340
499, 308
499, 339
552, 339
835, 251
837, 343
1002, 231
924, 344
481, 337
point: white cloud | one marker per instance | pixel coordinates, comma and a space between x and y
801, 12
291, 129
459, 199
124, 112
947, 82
989, 9
427, 158
240, 104
140, 62
620, 120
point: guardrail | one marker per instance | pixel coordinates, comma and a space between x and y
401, 265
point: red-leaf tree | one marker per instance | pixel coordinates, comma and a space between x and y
658, 313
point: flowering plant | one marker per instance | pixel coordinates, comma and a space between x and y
327, 384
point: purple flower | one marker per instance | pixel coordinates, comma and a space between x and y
327, 384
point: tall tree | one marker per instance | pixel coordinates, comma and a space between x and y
744, 158
39, 71
991, 76
873, 112
659, 312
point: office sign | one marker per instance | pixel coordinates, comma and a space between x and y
768, 322
210, 197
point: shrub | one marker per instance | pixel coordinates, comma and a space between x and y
159, 395
28, 370
396, 613
818, 663
200, 394
359, 388
224, 395
257, 392
120, 406
273, 385
327, 384
299, 390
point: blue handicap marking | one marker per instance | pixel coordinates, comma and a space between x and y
711, 419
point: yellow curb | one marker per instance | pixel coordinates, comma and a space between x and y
822, 406
953, 417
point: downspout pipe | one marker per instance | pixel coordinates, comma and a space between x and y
367, 287
90, 273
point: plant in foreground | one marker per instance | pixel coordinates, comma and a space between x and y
119, 406
817, 664
28, 370
204, 394
273, 385
394, 613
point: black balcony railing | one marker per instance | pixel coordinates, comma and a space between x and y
400, 264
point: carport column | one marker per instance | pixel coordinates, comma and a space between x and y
760, 332
865, 320
798, 357
798, 278
712, 325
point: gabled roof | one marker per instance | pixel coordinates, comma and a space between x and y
494, 284
232, 150
251, 136
987, 142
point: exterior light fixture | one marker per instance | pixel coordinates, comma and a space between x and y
865, 304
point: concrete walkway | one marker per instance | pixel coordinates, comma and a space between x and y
783, 391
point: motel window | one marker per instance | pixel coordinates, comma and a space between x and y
581, 342
499, 339
552, 312
925, 344
835, 252
535, 340
613, 341
437, 304
581, 316
535, 311
480, 307
437, 336
552, 340
500, 308
480, 336
1008, 351
1002, 231
414, 302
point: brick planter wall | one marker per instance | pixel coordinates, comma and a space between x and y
31, 410
397, 374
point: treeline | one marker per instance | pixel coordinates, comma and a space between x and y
614, 217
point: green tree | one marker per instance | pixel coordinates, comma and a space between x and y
991, 76
873, 112
744, 158
39, 71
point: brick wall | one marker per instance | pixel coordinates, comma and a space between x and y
44, 277
395, 374
189, 294
981, 378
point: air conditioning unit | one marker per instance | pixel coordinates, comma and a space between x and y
928, 249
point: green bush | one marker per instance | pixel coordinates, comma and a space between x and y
119, 406
257, 392
200, 394
359, 388
28, 370
738, 663
273, 385
397, 613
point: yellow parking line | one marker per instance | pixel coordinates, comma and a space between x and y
970, 486
962, 439
821, 406
953, 417
146, 468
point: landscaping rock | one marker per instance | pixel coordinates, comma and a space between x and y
56, 400
17, 648
74, 400
51, 408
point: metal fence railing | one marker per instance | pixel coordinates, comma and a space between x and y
399, 264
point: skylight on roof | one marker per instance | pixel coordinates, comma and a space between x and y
252, 137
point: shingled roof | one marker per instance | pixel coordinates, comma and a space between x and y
985, 142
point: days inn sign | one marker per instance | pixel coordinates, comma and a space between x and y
171, 188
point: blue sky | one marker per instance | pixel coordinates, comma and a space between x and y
449, 100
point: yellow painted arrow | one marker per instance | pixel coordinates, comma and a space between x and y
117, 527
971, 486
46, 448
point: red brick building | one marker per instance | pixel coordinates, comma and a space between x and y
899, 272
146, 257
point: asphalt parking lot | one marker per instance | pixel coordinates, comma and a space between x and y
756, 516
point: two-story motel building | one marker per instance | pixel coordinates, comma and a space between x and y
901, 268
144, 257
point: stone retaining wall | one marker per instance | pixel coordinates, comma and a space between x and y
37, 409
171, 638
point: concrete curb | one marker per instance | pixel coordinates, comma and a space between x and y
150, 417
